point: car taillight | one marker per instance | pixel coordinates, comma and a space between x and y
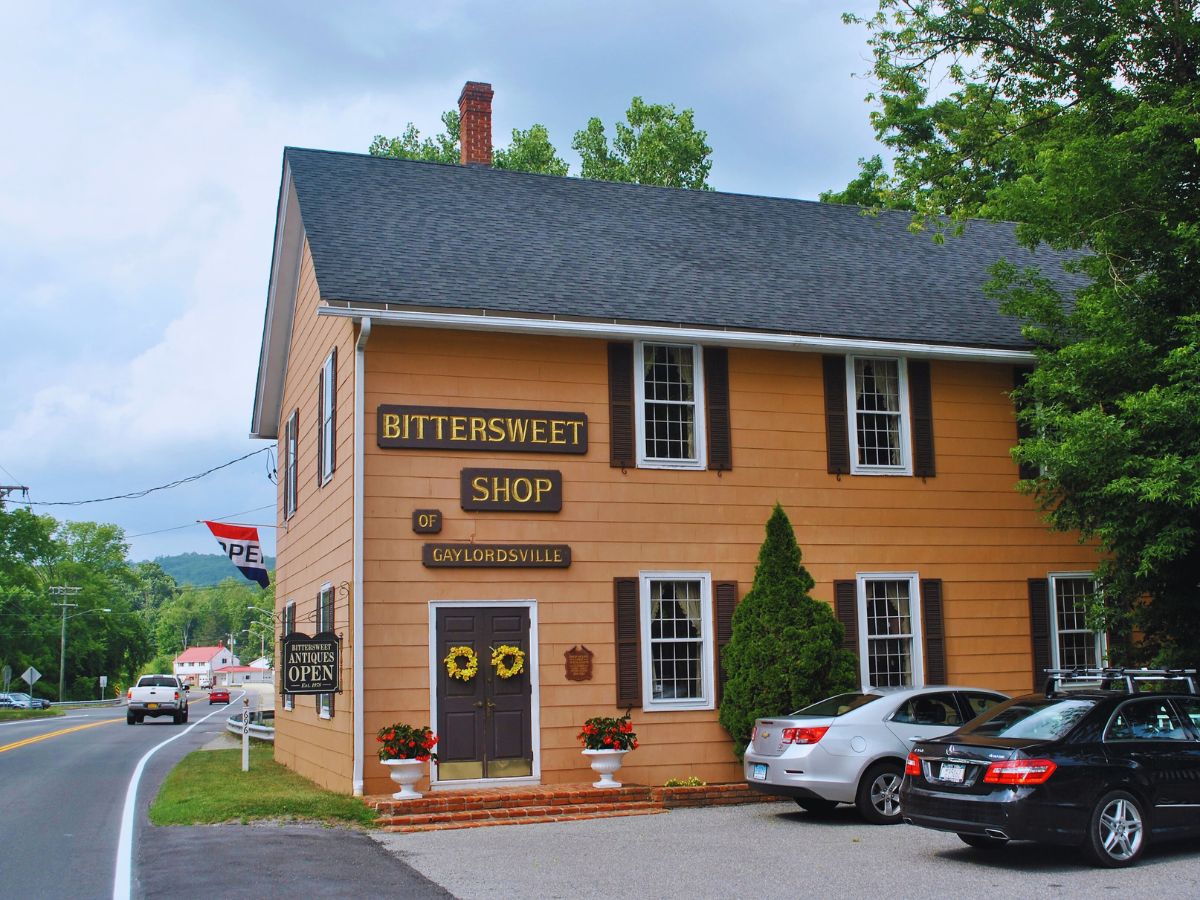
1020, 771
753, 733
177, 695
912, 765
803, 735
129, 696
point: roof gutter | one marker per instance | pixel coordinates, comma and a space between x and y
713, 336
360, 374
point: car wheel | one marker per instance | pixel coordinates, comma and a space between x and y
878, 798
130, 719
177, 718
1116, 833
185, 714
816, 805
982, 841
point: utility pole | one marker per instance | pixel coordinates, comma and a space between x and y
63, 590
6, 489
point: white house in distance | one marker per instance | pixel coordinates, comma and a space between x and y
231, 676
197, 665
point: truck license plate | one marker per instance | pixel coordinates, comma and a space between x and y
760, 772
952, 772
151, 706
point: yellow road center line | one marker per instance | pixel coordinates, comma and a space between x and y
45, 737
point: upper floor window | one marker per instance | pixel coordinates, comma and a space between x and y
1074, 644
289, 464
889, 641
326, 412
677, 650
879, 441
669, 381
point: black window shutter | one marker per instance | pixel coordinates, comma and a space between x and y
920, 395
320, 422
845, 607
1025, 470
716, 394
935, 630
1039, 629
725, 601
620, 406
629, 653
837, 435
333, 413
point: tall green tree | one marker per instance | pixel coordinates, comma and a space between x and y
1079, 119
785, 650
654, 145
529, 151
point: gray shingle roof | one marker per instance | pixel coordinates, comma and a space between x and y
430, 235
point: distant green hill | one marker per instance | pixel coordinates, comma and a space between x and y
202, 569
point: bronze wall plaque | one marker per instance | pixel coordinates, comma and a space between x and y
496, 556
458, 428
512, 490
427, 521
579, 664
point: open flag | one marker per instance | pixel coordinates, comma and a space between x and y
240, 543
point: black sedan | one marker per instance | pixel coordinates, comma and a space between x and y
1100, 770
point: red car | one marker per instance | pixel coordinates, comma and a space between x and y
218, 695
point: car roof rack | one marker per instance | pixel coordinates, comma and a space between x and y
1115, 679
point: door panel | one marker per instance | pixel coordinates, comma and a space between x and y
485, 724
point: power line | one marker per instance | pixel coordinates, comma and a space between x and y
194, 524
138, 494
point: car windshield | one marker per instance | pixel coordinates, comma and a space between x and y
157, 681
1040, 718
836, 706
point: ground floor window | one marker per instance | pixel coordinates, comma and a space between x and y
325, 623
289, 625
889, 608
677, 653
1075, 645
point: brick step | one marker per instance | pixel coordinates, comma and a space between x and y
515, 812
508, 799
449, 821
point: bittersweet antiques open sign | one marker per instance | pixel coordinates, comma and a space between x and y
311, 665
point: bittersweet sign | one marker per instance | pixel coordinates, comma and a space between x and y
311, 665
456, 428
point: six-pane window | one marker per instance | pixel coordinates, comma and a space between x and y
1075, 644
328, 407
289, 465
670, 425
289, 625
879, 429
325, 623
676, 617
890, 646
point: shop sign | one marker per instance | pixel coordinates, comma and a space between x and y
496, 556
511, 490
310, 665
497, 430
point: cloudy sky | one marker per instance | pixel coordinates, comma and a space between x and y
140, 171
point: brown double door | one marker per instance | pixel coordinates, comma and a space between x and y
484, 724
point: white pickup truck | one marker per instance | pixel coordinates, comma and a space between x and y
157, 695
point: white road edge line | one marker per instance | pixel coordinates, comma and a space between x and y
123, 878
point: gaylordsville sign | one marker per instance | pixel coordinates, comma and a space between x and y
310, 665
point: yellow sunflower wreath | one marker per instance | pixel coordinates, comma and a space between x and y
500, 657
463, 673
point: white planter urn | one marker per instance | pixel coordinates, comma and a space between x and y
604, 763
406, 773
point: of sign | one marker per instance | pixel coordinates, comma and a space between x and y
579, 664
427, 521
512, 490
496, 556
310, 665
30, 676
457, 428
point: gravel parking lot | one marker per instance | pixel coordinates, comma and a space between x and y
767, 850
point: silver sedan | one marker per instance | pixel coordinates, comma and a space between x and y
851, 748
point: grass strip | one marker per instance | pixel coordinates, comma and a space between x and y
6, 714
209, 786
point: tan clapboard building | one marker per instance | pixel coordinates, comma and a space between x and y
555, 414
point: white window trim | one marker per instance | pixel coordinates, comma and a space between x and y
918, 631
324, 701
291, 446
1100, 637
857, 468
639, 416
289, 615
328, 411
707, 644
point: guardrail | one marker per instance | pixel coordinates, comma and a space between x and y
262, 724
71, 704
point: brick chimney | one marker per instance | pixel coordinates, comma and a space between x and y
475, 123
